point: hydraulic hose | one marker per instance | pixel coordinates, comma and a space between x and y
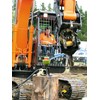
25, 80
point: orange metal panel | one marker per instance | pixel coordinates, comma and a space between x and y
69, 9
21, 44
24, 7
30, 46
61, 2
14, 45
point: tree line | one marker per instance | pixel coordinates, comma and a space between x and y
83, 33
43, 7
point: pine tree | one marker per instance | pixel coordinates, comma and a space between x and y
83, 34
49, 7
84, 21
35, 7
13, 11
43, 8
14, 4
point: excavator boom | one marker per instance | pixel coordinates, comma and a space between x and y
21, 43
23, 14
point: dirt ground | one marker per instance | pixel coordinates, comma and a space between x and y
26, 89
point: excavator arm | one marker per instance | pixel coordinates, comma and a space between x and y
68, 22
67, 13
69, 9
22, 45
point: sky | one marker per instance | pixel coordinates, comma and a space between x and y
80, 3
83, 45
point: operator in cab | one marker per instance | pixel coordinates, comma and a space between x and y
47, 41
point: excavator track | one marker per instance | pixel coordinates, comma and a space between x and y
25, 89
76, 89
78, 70
76, 82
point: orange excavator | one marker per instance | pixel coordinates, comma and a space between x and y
26, 47
67, 21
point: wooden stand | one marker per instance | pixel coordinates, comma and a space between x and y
45, 88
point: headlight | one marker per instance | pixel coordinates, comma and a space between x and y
45, 15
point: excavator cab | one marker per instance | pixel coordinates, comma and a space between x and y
43, 19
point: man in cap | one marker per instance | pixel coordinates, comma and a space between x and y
47, 40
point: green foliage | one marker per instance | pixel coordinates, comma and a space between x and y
83, 34
43, 8
35, 7
82, 37
14, 4
13, 10
13, 16
84, 21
